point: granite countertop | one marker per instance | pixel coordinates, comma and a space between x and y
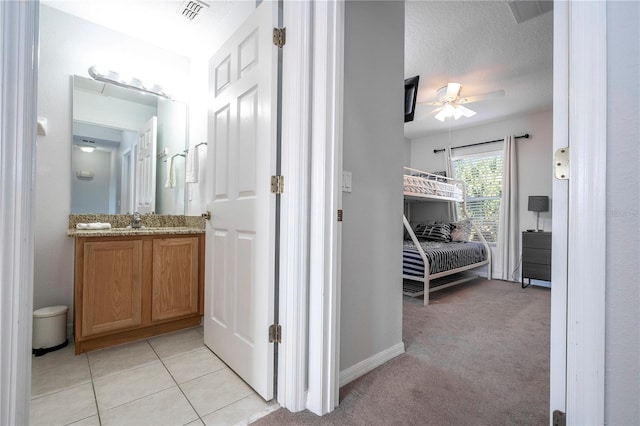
117, 232
152, 225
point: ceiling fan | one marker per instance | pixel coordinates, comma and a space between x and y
451, 104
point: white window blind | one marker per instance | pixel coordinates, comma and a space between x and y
482, 175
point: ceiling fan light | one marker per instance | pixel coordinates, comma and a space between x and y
457, 113
449, 110
466, 111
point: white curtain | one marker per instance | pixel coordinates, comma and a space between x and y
508, 247
453, 211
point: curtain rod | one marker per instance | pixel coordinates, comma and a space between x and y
435, 151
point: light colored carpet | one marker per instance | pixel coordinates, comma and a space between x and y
478, 355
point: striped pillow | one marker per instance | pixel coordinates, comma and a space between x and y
436, 232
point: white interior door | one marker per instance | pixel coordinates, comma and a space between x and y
239, 291
146, 167
127, 181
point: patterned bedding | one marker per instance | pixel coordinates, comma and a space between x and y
442, 256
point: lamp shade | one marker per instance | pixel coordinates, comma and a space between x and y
538, 203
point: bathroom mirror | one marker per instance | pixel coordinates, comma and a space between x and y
123, 141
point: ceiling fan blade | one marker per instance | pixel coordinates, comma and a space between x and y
481, 97
453, 89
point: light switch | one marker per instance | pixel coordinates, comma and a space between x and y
42, 126
346, 181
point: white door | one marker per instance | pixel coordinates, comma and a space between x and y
145, 201
239, 292
127, 181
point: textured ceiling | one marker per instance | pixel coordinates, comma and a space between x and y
480, 45
157, 22
475, 43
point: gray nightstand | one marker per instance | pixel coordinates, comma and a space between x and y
536, 256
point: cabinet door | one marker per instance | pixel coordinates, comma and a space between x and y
111, 286
175, 278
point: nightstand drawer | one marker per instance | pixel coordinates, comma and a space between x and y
536, 240
536, 271
536, 255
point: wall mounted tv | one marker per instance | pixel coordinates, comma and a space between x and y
410, 96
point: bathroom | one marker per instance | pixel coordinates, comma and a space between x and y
69, 46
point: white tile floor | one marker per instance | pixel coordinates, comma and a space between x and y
171, 379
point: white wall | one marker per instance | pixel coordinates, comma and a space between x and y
108, 111
622, 318
535, 157
371, 296
407, 152
91, 195
69, 46
172, 130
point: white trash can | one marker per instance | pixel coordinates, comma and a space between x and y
49, 329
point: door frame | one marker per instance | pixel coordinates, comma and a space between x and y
17, 306
580, 30
308, 357
18, 116
560, 214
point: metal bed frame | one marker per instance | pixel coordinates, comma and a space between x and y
431, 187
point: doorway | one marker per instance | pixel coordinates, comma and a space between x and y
473, 60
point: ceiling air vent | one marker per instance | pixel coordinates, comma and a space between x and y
523, 10
192, 8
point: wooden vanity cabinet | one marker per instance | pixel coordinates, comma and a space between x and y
175, 278
132, 287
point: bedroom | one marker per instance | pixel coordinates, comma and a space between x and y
504, 63
504, 66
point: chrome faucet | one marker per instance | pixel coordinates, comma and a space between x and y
136, 221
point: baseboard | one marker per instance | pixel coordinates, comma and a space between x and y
363, 367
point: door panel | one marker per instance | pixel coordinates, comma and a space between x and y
175, 278
146, 167
239, 290
111, 286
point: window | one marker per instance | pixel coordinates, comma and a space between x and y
482, 175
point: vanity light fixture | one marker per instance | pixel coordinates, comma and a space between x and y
119, 79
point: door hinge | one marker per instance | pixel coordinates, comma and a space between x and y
277, 184
275, 333
340, 215
559, 418
279, 36
561, 163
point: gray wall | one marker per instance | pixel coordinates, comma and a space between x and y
622, 339
371, 298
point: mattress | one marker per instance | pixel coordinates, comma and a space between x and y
441, 256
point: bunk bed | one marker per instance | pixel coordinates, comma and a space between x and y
428, 254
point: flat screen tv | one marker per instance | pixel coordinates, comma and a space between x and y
410, 96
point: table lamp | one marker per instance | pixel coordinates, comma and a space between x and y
538, 203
